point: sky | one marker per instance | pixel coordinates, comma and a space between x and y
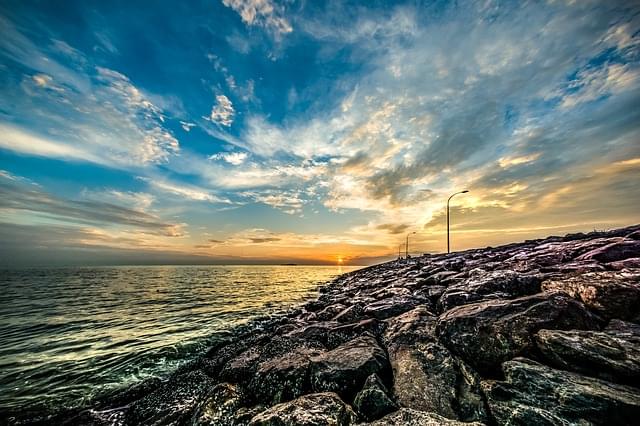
299, 131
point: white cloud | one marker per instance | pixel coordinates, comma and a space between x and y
264, 13
182, 190
234, 158
222, 112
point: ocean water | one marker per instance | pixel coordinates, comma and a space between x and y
70, 334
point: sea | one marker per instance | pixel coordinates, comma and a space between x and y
68, 335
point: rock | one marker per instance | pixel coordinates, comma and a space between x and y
619, 250
630, 263
391, 306
220, 406
329, 312
534, 394
485, 334
343, 333
283, 378
344, 370
612, 354
173, 402
410, 417
373, 402
427, 376
350, 314
612, 294
484, 285
316, 409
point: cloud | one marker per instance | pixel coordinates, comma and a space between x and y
18, 196
186, 191
77, 110
222, 112
233, 158
264, 13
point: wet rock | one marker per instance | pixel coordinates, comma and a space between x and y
410, 417
612, 354
344, 370
484, 285
219, 407
618, 250
612, 294
328, 312
485, 334
173, 402
283, 378
534, 394
373, 402
316, 409
392, 306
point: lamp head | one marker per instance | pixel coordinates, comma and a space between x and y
464, 192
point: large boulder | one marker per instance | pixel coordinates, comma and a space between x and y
318, 409
612, 294
534, 394
344, 369
410, 417
173, 402
220, 406
283, 378
482, 285
392, 306
485, 334
612, 354
373, 402
621, 249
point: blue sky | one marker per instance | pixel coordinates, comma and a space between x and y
266, 131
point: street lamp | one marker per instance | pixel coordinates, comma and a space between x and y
452, 195
407, 246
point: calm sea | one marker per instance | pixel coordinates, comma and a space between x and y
70, 334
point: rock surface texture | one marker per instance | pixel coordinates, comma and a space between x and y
544, 332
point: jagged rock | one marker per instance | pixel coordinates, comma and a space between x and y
426, 375
410, 417
173, 402
373, 402
316, 409
283, 378
630, 263
618, 250
328, 312
391, 306
612, 294
485, 334
534, 394
482, 285
344, 370
219, 407
343, 333
612, 354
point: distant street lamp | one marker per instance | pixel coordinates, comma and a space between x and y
448, 240
407, 246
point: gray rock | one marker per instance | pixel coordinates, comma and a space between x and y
622, 249
373, 402
485, 334
410, 417
392, 306
344, 370
484, 285
318, 409
612, 354
534, 394
612, 294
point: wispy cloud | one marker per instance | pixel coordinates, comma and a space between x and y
222, 112
264, 13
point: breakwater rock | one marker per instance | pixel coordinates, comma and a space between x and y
544, 332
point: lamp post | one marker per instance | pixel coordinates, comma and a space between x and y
407, 246
448, 240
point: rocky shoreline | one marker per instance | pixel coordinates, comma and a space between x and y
544, 332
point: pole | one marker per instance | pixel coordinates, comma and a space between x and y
407, 246
448, 238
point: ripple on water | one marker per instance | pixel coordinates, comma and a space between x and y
70, 334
